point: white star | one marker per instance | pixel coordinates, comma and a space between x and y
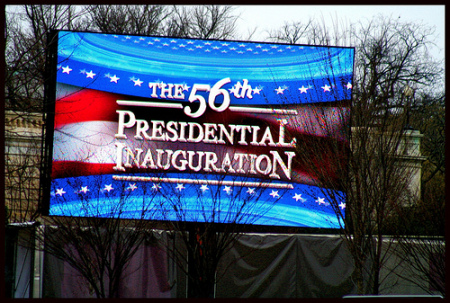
108, 188
242, 45
173, 41
190, 42
165, 44
114, 79
233, 48
204, 187
249, 49
90, 75
156, 187
258, 46
321, 201
137, 82
274, 194
251, 191
234, 90
66, 69
326, 88
279, 90
60, 191
180, 187
303, 89
342, 205
228, 190
84, 189
207, 43
132, 187
225, 44
349, 85
127, 37
298, 197
186, 87
256, 90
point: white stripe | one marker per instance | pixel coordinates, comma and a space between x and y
90, 142
150, 104
203, 181
259, 110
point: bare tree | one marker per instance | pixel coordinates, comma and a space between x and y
420, 228
206, 22
291, 32
93, 232
26, 43
390, 59
313, 32
428, 116
424, 257
25, 53
393, 58
98, 247
129, 19
210, 223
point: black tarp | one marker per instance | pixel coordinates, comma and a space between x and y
258, 265
287, 266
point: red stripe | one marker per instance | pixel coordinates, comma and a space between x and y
86, 105
64, 169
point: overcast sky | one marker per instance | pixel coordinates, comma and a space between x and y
266, 17
272, 17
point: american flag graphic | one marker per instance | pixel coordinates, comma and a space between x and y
156, 78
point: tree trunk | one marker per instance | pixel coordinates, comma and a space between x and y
201, 280
359, 278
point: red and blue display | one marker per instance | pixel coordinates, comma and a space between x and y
143, 124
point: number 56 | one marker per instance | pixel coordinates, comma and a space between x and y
213, 93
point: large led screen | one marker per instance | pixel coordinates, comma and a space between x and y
165, 128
